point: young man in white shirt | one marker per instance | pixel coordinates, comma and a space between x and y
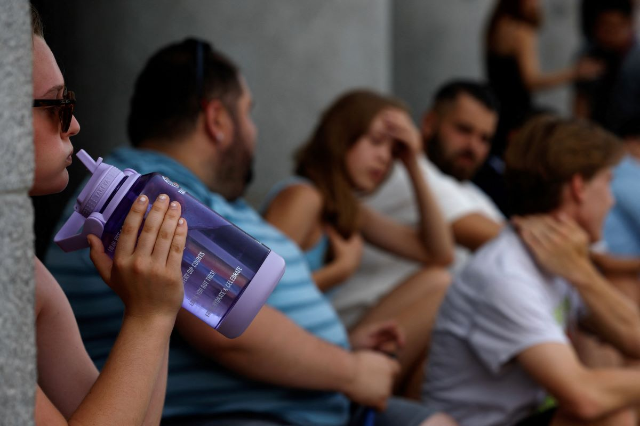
502, 339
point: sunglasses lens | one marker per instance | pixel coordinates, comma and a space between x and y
65, 117
66, 112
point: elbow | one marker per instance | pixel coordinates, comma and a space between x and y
585, 409
442, 260
583, 403
445, 259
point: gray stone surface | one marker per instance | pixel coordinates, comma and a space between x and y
296, 55
17, 349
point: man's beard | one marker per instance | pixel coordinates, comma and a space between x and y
235, 170
446, 164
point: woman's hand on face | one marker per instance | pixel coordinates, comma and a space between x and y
400, 127
346, 251
145, 271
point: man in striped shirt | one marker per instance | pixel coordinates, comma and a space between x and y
190, 120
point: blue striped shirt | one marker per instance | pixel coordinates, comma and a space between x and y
196, 384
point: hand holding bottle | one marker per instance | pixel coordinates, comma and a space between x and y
146, 275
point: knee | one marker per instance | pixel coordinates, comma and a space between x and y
437, 278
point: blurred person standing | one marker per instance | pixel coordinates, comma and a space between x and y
512, 64
511, 315
612, 99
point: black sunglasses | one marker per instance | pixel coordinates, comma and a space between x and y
65, 107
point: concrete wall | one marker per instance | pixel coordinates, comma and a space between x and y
296, 55
17, 349
436, 41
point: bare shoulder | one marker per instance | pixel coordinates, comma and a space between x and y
511, 35
299, 197
522, 32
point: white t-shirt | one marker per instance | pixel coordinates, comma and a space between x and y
498, 306
379, 271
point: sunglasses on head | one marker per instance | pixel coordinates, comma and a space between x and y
65, 107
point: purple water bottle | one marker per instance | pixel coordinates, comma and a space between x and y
227, 274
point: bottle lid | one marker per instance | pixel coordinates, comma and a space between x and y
89, 211
247, 306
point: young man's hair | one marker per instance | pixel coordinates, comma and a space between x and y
173, 87
449, 93
547, 153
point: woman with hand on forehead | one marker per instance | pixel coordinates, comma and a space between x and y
349, 155
130, 389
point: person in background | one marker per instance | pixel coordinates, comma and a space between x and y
510, 315
512, 63
349, 155
490, 177
456, 134
613, 99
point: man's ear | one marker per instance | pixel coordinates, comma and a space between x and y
576, 188
429, 124
217, 123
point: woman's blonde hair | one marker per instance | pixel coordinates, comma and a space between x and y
322, 158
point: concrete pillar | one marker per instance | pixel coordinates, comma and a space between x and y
17, 342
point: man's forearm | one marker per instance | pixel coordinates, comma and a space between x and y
274, 350
614, 317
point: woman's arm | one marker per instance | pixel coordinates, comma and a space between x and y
526, 53
130, 388
347, 253
297, 212
432, 242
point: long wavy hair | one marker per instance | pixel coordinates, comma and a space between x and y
322, 158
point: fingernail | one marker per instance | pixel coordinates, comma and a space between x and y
180, 221
142, 199
173, 205
162, 197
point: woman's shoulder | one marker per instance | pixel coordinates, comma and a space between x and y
510, 34
295, 191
